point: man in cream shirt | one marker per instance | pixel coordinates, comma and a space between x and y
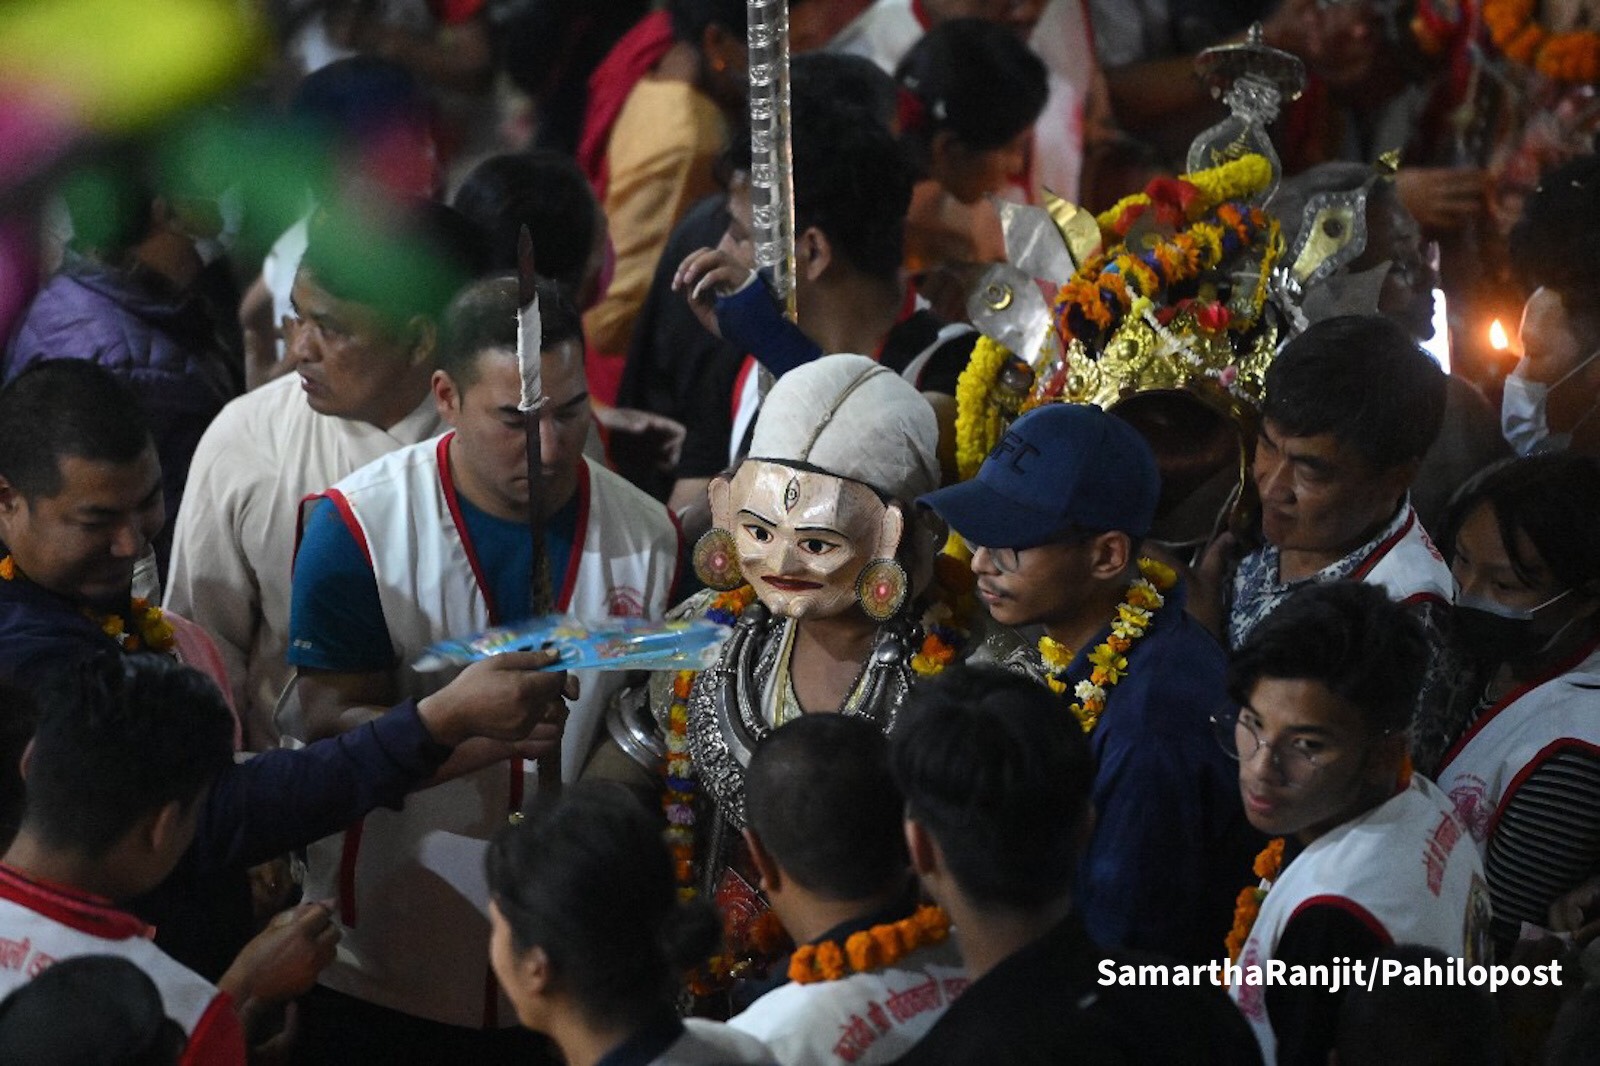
367, 306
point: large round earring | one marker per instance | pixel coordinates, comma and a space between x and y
882, 588
716, 561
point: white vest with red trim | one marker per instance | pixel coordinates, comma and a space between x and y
1409, 566
1484, 769
41, 925
749, 389
866, 1018
1400, 867
413, 939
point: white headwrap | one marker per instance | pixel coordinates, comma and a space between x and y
851, 417
530, 337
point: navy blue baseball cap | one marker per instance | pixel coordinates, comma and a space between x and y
1060, 467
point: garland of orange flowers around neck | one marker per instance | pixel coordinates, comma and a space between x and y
1109, 662
869, 949
1268, 865
151, 630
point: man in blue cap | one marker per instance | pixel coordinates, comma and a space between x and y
1055, 519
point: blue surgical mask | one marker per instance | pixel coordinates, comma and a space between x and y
1525, 414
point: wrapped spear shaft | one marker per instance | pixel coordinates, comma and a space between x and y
530, 332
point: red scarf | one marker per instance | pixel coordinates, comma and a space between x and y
630, 59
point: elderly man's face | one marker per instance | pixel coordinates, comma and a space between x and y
1317, 493
352, 364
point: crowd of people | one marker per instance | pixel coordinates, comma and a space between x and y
1129, 630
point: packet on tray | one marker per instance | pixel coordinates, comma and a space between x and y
603, 644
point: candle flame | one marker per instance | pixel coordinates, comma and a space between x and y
1498, 340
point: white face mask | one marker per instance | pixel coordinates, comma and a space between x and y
1524, 411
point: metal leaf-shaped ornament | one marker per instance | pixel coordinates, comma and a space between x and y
1034, 245
1008, 306
1076, 226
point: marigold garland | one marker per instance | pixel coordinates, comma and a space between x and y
1109, 662
945, 624
869, 949
677, 800
1235, 180
1267, 867
151, 630
945, 630
978, 421
1572, 57
1110, 284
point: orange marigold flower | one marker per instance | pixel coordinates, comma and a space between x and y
830, 961
1269, 863
1245, 911
933, 921
1525, 44
888, 942
863, 952
1117, 286
802, 964
682, 684
8, 569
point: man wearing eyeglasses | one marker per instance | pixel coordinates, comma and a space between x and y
1375, 856
1055, 516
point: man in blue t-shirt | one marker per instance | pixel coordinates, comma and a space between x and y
80, 498
1055, 518
429, 543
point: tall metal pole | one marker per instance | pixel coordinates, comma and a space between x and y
771, 164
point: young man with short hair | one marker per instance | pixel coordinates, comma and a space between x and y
430, 543
1055, 517
1352, 406
125, 751
825, 835
997, 782
1325, 689
80, 499
368, 300
852, 190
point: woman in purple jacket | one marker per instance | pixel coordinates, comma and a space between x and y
129, 295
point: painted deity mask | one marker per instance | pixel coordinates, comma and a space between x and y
803, 537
